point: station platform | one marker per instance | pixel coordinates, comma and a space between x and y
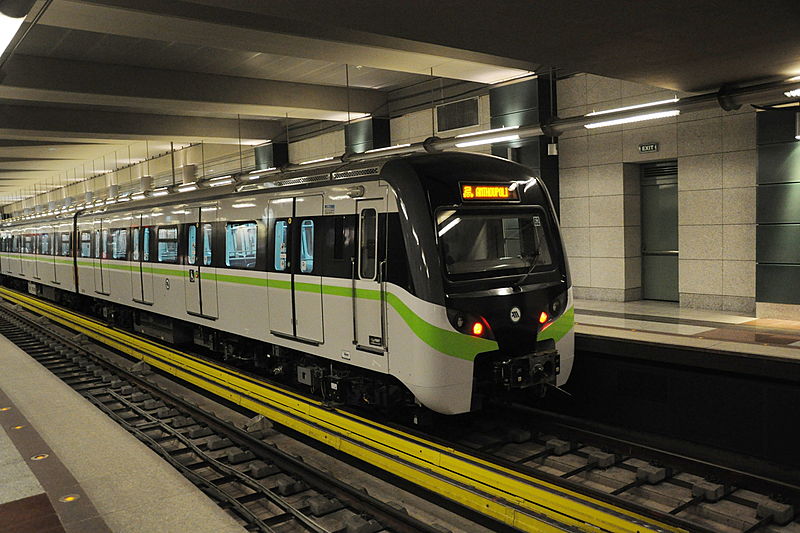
667, 323
66, 467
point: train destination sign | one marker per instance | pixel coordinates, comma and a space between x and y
488, 192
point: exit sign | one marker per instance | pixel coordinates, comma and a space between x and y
648, 147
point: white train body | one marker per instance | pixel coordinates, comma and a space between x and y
345, 266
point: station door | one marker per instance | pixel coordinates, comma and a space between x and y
659, 192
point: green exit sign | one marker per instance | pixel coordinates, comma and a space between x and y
648, 147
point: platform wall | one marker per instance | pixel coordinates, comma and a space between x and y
716, 154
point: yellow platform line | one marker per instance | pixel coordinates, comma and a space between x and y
513, 498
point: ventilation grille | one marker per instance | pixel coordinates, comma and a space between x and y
358, 173
303, 179
455, 115
658, 170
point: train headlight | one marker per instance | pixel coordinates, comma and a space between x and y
477, 329
470, 324
543, 317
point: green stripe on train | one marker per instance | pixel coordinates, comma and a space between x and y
445, 341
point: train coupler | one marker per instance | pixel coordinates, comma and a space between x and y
524, 371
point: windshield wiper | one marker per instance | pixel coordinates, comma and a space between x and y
534, 262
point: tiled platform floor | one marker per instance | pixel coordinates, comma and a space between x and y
668, 323
121, 484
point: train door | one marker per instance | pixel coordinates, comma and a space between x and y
35, 257
280, 294
295, 281
200, 278
141, 269
369, 298
47, 247
55, 252
100, 248
306, 272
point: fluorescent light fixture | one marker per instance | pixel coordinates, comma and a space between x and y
220, 181
794, 78
9, 26
208, 209
387, 148
490, 140
637, 118
138, 196
111, 201
259, 171
242, 205
794, 93
637, 106
124, 199
320, 160
453, 223
495, 130
187, 187
160, 191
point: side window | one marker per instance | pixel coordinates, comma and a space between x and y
66, 241
135, 243
44, 244
281, 245
97, 243
146, 244
28, 244
104, 244
207, 234
240, 244
368, 235
191, 245
119, 244
15, 244
168, 244
307, 246
86, 244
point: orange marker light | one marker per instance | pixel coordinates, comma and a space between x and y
477, 329
543, 317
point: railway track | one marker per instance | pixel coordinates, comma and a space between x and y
522, 476
706, 496
265, 489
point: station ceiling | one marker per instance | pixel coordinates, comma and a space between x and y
96, 77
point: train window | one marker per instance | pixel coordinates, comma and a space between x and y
15, 244
168, 244
474, 243
135, 243
66, 241
369, 235
240, 244
281, 245
146, 244
119, 244
44, 244
97, 243
104, 244
306, 246
207, 234
191, 245
27, 244
338, 238
86, 244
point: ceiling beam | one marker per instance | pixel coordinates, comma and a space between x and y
92, 125
244, 29
40, 79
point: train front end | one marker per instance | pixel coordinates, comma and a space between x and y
505, 274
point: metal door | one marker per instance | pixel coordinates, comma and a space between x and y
368, 295
659, 193
200, 278
279, 277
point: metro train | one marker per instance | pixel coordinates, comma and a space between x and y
435, 280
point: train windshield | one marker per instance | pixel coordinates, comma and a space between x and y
478, 242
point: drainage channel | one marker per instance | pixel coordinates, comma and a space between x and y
264, 488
